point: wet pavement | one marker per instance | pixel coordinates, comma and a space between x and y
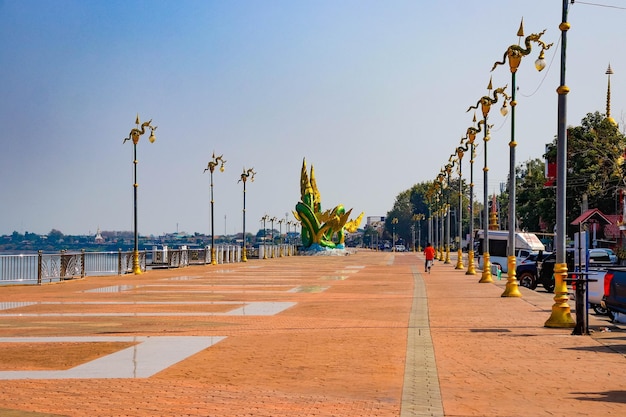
369, 334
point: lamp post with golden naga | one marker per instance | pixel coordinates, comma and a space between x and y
280, 237
460, 152
215, 161
447, 172
272, 220
245, 175
418, 218
515, 53
394, 221
561, 316
485, 103
441, 213
470, 137
134, 135
264, 219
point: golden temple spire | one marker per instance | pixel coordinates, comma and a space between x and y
609, 72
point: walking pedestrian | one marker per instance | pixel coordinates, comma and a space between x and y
429, 253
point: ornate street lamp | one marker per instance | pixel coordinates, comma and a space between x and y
264, 219
394, 221
442, 215
447, 171
471, 137
134, 135
460, 151
561, 316
280, 237
247, 173
485, 103
437, 213
515, 53
418, 218
215, 161
272, 220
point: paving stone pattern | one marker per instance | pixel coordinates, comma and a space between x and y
367, 334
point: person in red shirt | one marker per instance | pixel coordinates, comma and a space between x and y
429, 253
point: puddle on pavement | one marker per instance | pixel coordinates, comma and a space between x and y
114, 288
334, 277
147, 357
309, 288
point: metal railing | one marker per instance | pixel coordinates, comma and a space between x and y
43, 268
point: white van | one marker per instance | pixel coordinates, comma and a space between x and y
525, 244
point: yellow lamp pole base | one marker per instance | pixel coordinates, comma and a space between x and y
440, 258
486, 275
244, 258
447, 261
459, 260
561, 316
136, 265
213, 260
512, 286
471, 267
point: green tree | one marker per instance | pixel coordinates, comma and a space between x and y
595, 164
55, 236
536, 203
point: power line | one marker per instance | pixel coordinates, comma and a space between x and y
598, 5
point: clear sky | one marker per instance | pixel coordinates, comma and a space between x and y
372, 93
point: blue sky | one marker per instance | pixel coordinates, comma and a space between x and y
373, 94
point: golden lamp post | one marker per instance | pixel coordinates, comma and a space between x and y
417, 218
460, 151
515, 53
215, 161
264, 219
485, 103
447, 172
134, 135
436, 216
280, 237
245, 175
470, 137
561, 316
440, 214
272, 220
394, 221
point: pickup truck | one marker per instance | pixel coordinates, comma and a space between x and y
615, 290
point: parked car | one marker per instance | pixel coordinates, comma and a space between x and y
526, 271
615, 290
601, 256
595, 289
545, 269
597, 255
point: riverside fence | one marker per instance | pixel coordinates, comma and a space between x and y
40, 268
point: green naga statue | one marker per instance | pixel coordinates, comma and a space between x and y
321, 230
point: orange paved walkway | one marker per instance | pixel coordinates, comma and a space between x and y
362, 335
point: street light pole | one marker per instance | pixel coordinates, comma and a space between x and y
471, 137
561, 316
247, 173
280, 237
394, 221
211, 167
448, 170
264, 219
418, 218
485, 105
272, 220
134, 135
515, 53
460, 151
